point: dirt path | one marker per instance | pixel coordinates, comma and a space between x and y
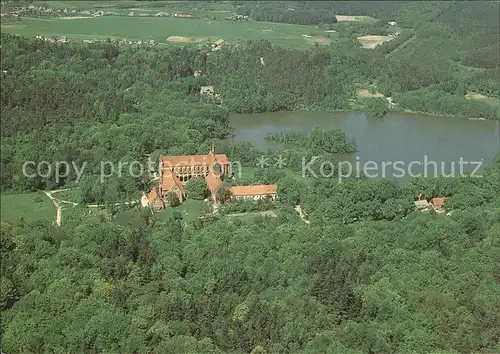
56, 201
301, 213
261, 213
56, 204
116, 204
401, 47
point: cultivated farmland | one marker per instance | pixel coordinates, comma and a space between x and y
159, 29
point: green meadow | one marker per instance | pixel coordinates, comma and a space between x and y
27, 206
159, 29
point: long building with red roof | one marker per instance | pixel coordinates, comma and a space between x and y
176, 170
256, 192
185, 167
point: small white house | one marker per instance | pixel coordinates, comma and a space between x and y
422, 204
207, 90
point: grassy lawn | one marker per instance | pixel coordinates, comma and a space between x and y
190, 210
29, 206
159, 29
246, 173
73, 195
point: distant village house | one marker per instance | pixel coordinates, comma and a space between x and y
436, 204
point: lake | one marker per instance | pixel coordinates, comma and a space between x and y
398, 137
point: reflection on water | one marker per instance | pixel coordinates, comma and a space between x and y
401, 137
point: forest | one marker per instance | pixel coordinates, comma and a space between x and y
366, 274
58, 101
261, 12
318, 140
315, 12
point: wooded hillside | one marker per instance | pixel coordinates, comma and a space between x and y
365, 274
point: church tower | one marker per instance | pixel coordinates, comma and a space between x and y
215, 166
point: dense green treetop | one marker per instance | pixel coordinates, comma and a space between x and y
368, 274
392, 281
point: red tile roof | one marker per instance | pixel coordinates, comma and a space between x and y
253, 190
213, 181
194, 160
439, 202
169, 181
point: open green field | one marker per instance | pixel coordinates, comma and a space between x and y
159, 29
28, 206
246, 173
208, 10
81, 4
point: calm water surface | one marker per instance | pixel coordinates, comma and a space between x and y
402, 137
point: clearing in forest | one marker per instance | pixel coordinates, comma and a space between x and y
350, 18
492, 101
366, 93
476, 96
181, 39
29, 206
370, 41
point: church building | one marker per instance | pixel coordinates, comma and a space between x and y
185, 167
175, 171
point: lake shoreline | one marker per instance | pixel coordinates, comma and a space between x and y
398, 137
359, 109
